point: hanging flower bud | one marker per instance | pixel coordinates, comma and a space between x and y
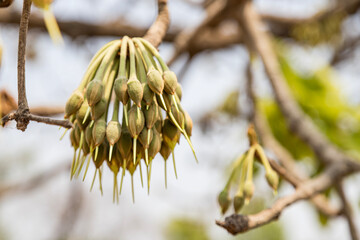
77, 132
98, 132
94, 91
146, 137
188, 124
151, 115
272, 179
135, 90
114, 164
155, 144
224, 201
148, 95
179, 116
88, 136
125, 144
85, 148
170, 133
101, 155
80, 115
42, 3
73, 140
120, 87
98, 110
136, 121
113, 132
248, 191
165, 151
117, 158
238, 202
74, 103
155, 81
167, 101
178, 91
170, 82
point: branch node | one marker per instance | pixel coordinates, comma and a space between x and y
234, 224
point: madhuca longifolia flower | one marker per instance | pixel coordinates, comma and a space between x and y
242, 173
50, 21
145, 92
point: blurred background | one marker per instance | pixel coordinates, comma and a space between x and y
317, 42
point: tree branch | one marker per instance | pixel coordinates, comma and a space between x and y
158, 29
347, 212
184, 39
50, 121
236, 223
76, 28
23, 107
5, 3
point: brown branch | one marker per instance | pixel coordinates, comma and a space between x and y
184, 39
31, 117
47, 111
282, 26
158, 29
297, 121
346, 50
50, 121
347, 212
23, 107
5, 3
235, 223
76, 28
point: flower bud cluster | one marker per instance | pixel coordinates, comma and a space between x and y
243, 170
147, 96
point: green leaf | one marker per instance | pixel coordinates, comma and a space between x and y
184, 228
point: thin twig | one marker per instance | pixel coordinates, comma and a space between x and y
347, 212
158, 29
50, 121
31, 117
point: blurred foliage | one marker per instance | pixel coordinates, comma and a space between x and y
272, 231
327, 29
323, 219
320, 98
230, 106
186, 229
